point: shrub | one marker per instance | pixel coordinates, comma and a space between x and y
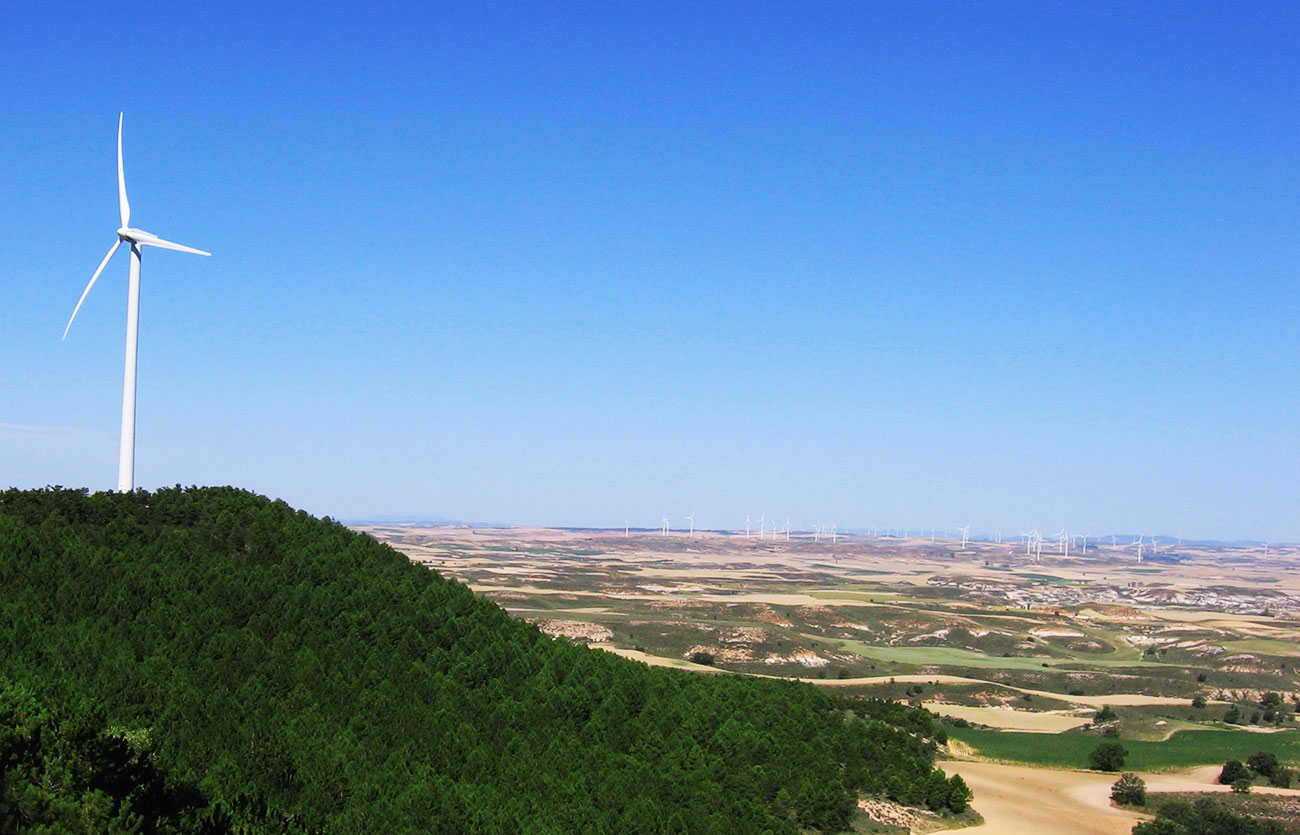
1108, 756
1241, 786
1106, 714
1232, 771
1129, 790
705, 658
1262, 763
1198, 701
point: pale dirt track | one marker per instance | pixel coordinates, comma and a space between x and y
1021, 800
1018, 800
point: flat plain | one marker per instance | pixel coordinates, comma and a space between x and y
1019, 653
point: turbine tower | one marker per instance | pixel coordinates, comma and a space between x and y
691, 518
137, 238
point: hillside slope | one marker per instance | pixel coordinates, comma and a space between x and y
307, 678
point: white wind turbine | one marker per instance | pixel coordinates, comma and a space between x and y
691, 518
137, 238
1062, 542
965, 535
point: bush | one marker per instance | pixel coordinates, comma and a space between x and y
705, 658
1129, 790
1241, 786
1106, 714
1198, 701
1262, 763
1232, 771
1108, 756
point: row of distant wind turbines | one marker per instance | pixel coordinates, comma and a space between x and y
819, 529
1032, 540
138, 239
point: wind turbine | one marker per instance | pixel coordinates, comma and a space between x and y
137, 238
627, 528
691, 518
965, 535
665, 522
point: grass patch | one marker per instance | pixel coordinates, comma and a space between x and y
1184, 749
953, 657
1263, 646
864, 596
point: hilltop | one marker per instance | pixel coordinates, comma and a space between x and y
262, 670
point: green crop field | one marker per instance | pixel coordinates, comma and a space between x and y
1183, 749
953, 657
1264, 646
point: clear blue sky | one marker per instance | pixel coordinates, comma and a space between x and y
922, 264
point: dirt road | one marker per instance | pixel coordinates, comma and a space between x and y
1018, 800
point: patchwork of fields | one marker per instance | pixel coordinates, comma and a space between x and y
1019, 655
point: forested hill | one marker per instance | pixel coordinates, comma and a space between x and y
210, 660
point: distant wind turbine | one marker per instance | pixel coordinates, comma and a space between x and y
691, 518
137, 238
965, 535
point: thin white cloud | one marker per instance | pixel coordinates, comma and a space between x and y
19, 432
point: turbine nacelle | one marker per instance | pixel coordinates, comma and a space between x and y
139, 237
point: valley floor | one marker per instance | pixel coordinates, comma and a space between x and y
1020, 800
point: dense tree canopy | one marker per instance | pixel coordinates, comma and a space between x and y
287, 674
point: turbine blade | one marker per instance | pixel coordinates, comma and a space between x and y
93, 279
153, 240
123, 207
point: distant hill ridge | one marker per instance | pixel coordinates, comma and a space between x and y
272, 672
